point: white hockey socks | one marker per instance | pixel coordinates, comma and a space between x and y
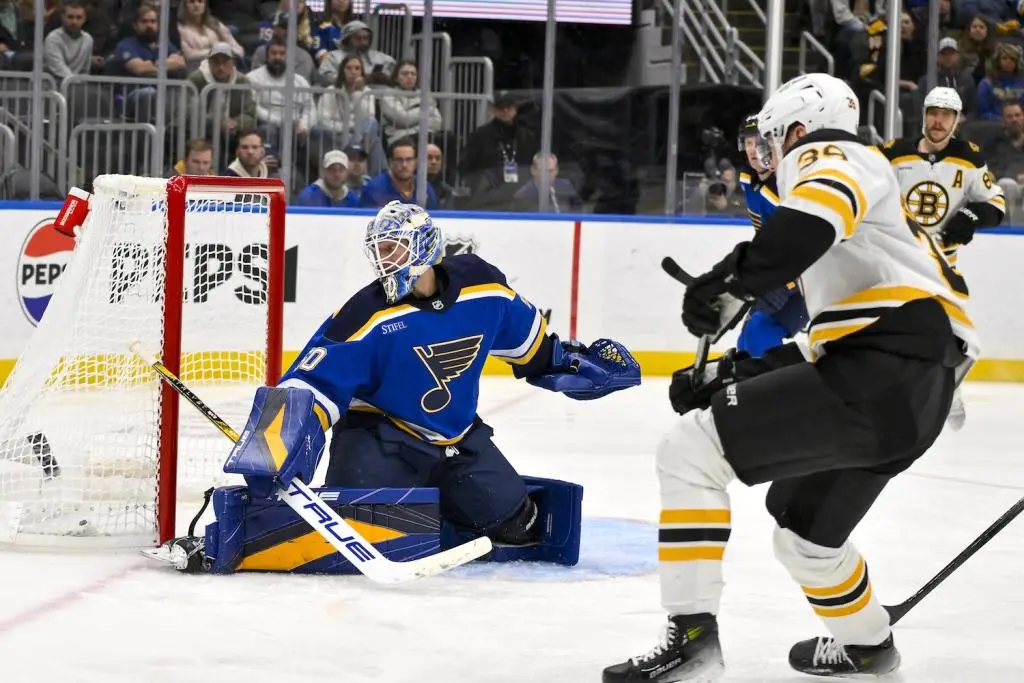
835, 581
695, 516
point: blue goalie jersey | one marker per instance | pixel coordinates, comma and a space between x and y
418, 362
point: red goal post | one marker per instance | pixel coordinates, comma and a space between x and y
178, 189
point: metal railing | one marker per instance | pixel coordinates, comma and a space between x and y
391, 24
98, 148
716, 44
440, 76
699, 46
753, 7
876, 96
754, 75
8, 149
113, 99
807, 39
471, 76
328, 123
16, 114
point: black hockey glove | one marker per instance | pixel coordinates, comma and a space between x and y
687, 392
960, 227
714, 302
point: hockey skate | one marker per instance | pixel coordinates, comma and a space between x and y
825, 657
690, 652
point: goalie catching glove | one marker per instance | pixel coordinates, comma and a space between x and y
584, 373
284, 438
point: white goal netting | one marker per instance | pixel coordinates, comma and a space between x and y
81, 417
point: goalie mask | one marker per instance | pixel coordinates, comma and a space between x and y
942, 99
401, 243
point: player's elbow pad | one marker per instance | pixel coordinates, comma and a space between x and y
284, 438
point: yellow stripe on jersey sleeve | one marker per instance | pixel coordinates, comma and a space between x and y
769, 195
837, 192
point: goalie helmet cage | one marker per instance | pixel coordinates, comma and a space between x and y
94, 451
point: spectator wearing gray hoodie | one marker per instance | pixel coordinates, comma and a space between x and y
68, 49
356, 38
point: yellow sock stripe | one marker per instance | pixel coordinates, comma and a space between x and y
691, 553
695, 516
838, 589
845, 610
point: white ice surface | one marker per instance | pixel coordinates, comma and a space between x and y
85, 618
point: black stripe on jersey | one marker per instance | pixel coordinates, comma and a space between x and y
693, 535
788, 243
850, 314
835, 185
850, 597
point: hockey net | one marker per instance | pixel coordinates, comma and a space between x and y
93, 449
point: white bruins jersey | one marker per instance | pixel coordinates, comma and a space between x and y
935, 186
878, 259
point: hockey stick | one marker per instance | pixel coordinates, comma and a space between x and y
676, 272
325, 520
897, 612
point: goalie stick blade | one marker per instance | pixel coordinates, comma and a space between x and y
675, 271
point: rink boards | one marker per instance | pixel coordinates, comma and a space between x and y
594, 277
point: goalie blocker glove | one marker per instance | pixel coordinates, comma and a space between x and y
284, 438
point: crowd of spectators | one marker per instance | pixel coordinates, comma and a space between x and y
356, 110
353, 104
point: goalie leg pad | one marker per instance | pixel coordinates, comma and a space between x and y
261, 534
558, 522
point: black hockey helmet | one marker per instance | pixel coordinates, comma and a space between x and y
747, 129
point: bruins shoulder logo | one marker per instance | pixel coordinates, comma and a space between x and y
446, 361
928, 203
888, 144
974, 147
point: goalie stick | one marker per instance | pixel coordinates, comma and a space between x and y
324, 519
897, 612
